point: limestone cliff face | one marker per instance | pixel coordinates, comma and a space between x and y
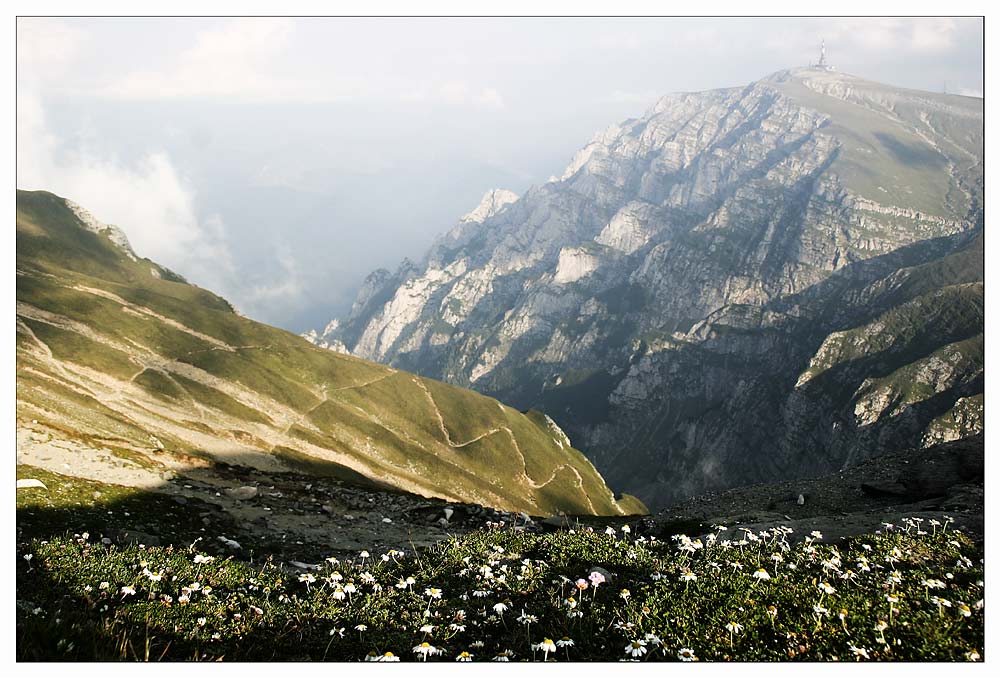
770, 280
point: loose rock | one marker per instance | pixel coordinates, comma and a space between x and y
25, 483
242, 493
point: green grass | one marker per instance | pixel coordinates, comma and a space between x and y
240, 610
76, 348
161, 385
220, 401
310, 465
259, 372
884, 161
47, 293
47, 395
402, 404
347, 406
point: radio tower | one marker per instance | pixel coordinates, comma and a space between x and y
821, 64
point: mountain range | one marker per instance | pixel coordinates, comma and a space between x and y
741, 285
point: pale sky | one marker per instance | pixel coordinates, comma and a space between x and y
278, 161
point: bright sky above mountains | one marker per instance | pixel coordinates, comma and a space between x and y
277, 161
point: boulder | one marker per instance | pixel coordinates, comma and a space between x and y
303, 566
231, 543
123, 537
241, 493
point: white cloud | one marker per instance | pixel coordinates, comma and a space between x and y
886, 34
154, 205
932, 35
460, 93
148, 199
457, 93
288, 286
233, 60
46, 47
490, 98
253, 60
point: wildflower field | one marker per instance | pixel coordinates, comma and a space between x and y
910, 592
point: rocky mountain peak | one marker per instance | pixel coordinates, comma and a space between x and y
493, 201
91, 223
668, 292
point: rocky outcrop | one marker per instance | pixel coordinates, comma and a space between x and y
493, 201
574, 263
326, 338
114, 234
739, 284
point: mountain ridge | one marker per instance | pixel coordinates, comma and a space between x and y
666, 235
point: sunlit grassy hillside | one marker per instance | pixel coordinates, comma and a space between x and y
120, 351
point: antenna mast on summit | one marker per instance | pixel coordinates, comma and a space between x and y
821, 64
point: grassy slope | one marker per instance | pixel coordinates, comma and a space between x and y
882, 156
126, 352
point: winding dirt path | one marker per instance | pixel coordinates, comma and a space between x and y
149, 313
517, 448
